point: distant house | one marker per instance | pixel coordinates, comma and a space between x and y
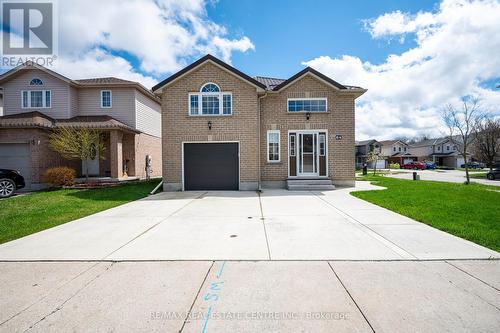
442, 151
35, 101
397, 151
363, 148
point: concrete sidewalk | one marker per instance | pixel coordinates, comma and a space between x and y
246, 296
275, 225
450, 176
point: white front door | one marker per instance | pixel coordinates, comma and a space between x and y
308, 154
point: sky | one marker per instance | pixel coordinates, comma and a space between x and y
414, 57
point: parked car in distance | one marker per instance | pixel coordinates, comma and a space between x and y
414, 166
10, 182
430, 165
493, 174
474, 165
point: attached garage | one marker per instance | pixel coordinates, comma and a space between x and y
17, 156
211, 166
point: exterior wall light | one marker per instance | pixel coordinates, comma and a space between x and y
209, 125
308, 115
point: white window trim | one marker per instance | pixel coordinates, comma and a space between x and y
308, 99
279, 146
290, 145
44, 102
319, 145
110, 99
200, 103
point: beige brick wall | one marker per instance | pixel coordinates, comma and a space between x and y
338, 120
178, 126
147, 145
242, 126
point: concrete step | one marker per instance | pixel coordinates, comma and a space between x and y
309, 182
318, 187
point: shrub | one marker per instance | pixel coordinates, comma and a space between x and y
394, 166
60, 176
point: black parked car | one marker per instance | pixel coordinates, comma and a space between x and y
493, 174
10, 181
474, 165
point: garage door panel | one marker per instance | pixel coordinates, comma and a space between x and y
16, 156
211, 166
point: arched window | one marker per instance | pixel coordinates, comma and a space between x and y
36, 82
210, 88
210, 101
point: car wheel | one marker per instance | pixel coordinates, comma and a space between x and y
7, 188
491, 177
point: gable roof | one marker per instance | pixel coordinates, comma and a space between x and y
365, 142
391, 142
309, 70
200, 62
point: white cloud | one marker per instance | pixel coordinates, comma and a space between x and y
457, 50
94, 35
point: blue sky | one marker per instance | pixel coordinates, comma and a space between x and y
414, 57
285, 33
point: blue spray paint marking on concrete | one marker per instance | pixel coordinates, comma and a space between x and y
221, 269
213, 295
206, 320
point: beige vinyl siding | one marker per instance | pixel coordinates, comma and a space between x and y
122, 105
59, 90
73, 101
148, 115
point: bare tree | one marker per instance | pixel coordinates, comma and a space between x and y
78, 144
462, 124
487, 144
374, 156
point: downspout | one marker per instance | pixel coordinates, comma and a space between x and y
259, 187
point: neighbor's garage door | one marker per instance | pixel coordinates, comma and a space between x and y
16, 156
211, 166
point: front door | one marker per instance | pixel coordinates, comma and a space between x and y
307, 153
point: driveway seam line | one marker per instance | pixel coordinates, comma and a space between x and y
264, 226
352, 298
154, 225
367, 227
61, 306
464, 271
49, 292
196, 297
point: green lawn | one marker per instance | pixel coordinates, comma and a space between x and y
478, 175
24, 215
468, 211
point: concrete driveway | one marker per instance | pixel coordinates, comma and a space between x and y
240, 262
275, 225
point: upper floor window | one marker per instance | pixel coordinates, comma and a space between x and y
439, 148
36, 99
399, 148
307, 105
106, 99
405, 148
210, 101
447, 148
393, 148
36, 82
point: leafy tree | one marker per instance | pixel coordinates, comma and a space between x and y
487, 144
78, 144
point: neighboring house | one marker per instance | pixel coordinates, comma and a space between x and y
442, 151
36, 101
397, 151
363, 148
223, 129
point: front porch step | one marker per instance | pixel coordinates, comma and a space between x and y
309, 185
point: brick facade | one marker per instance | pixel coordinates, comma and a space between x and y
255, 112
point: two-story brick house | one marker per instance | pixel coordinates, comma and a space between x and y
37, 101
222, 129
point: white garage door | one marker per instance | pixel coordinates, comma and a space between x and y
16, 156
381, 164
